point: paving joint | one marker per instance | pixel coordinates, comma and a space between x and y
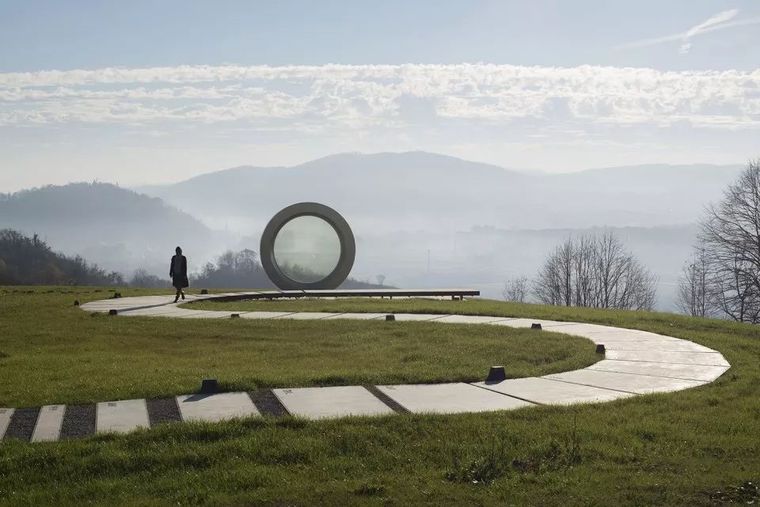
526, 400
392, 404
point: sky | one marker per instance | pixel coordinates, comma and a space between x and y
152, 92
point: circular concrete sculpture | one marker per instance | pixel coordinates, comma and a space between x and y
307, 246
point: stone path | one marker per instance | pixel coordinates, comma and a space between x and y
636, 362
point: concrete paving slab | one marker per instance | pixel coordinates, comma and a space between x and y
588, 330
359, 316
210, 314
412, 317
659, 346
187, 314
630, 335
450, 398
522, 323
5, 420
656, 356
215, 407
471, 319
627, 382
326, 402
552, 392
308, 315
153, 312
121, 416
263, 315
683, 371
49, 422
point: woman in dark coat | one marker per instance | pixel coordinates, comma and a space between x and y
178, 273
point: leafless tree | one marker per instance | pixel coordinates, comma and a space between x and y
595, 271
694, 290
553, 285
516, 289
730, 233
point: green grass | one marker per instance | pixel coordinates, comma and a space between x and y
53, 352
695, 447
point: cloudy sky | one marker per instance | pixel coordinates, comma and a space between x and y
145, 92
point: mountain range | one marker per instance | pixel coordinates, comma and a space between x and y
417, 191
420, 219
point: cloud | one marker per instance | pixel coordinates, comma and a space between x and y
719, 21
344, 98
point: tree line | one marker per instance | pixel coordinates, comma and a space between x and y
28, 260
722, 278
592, 271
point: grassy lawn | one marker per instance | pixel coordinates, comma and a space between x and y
53, 352
695, 447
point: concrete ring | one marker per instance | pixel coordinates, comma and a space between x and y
339, 225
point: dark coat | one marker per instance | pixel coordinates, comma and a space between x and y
179, 278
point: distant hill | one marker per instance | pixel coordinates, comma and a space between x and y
115, 227
30, 261
420, 191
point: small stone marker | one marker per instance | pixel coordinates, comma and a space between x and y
535, 325
113, 312
600, 348
235, 316
204, 291
209, 386
390, 317
496, 374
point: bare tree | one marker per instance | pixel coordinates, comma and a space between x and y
516, 289
730, 233
553, 285
595, 271
694, 296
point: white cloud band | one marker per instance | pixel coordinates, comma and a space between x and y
356, 96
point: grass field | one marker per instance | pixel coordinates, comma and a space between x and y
53, 352
695, 447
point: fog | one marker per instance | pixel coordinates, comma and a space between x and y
420, 220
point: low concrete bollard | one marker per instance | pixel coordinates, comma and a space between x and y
496, 374
209, 386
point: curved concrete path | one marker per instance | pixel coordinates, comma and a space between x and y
636, 362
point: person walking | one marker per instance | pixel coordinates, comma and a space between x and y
178, 273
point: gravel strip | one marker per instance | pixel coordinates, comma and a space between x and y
267, 403
396, 407
163, 411
78, 421
22, 423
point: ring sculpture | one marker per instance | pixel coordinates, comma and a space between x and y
307, 246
